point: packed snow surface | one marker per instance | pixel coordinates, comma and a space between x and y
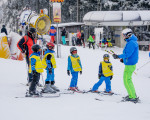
77, 106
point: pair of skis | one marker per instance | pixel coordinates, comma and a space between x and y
78, 91
103, 93
45, 95
123, 100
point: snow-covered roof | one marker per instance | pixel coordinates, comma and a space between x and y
117, 18
68, 24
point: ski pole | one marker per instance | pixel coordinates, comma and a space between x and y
112, 51
42, 58
42, 79
143, 65
27, 69
108, 52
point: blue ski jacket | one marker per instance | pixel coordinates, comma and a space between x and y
70, 68
130, 54
34, 60
49, 64
100, 69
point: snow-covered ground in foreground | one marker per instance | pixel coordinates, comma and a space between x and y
77, 106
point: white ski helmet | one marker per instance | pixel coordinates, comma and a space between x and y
127, 32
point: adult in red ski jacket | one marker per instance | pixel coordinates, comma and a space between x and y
25, 44
52, 33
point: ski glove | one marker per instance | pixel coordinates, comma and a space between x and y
99, 75
34, 73
68, 72
149, 54
115, 56
111, 77
80, 72
50, 70
121, 60
23, 51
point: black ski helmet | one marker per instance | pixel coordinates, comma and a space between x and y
35, 48
106, 56
73, 49
32, 30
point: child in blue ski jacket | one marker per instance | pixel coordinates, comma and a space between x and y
74, 65
105, 73
35, 67
49, 64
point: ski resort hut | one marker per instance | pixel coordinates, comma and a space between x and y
117, 21
71, 27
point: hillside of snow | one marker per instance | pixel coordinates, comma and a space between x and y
78, 106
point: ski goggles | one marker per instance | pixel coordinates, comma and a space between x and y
74, 52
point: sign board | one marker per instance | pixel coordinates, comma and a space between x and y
56, 0
57, 12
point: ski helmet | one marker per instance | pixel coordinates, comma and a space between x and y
127, 32
106, 56
73, 49
35, 48
50, 45
32, 30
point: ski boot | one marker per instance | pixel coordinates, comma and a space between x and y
96, 91
33, 94
134, 100
54, 88
48, 89
108, 93
72, 88
77, 89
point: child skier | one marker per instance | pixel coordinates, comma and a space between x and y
74, 65
105, 73
35, 67
49, 64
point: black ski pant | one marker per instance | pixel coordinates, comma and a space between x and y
29, 74
93, 43
34, 82
79, 41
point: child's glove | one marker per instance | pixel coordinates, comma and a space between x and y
121, 60
111, 77
115, 56
68, 72
80, 72
50, 70
99, 75
34, 73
